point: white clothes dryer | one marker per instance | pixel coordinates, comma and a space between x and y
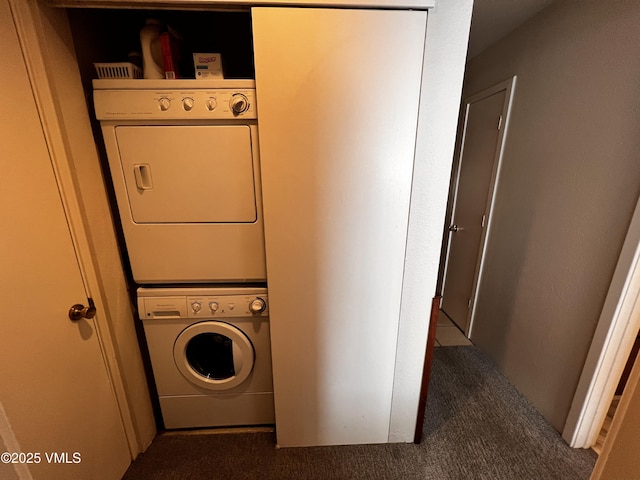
210, 355
183, 157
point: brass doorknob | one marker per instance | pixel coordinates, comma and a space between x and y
79, 311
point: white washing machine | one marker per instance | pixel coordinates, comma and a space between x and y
210, 354
183, 156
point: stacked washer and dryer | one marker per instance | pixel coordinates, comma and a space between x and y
185, 168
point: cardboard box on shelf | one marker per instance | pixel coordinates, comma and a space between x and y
208, 66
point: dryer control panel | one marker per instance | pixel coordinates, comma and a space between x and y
161, 104
165, 303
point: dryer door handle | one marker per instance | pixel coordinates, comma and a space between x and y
142, 173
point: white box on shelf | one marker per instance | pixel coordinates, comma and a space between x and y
208, 65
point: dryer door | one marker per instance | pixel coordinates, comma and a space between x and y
188, 174
214, 355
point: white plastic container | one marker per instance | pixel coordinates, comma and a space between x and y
118, 70
152, 64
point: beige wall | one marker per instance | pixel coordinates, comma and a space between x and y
569, 182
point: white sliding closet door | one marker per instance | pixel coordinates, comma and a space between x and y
337, 94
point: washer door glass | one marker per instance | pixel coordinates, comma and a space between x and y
211, 355
214, 355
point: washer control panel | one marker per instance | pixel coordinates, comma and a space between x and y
202, 304
175, 104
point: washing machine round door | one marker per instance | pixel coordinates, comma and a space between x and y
214, 355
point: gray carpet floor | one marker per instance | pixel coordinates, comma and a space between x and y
477, 426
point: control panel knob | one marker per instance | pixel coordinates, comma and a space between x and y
239, 104
196, 306
213, 306
211, 104
187, 103
258, 305
164, 103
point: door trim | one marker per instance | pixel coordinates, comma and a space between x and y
26, 15
426, 369
509, 87
612, 342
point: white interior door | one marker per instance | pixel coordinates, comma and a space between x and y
485, 120
56, 399
338, 94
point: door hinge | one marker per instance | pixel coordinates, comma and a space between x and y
500, 122
469, 304
484, 220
